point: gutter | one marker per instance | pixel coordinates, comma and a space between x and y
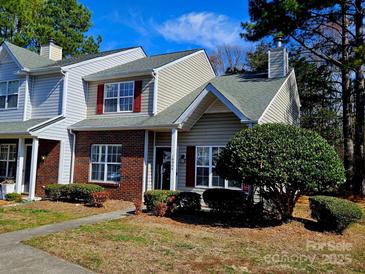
46, 123
93, 128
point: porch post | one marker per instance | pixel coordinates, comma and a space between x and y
20, 166
173, 159
33, 168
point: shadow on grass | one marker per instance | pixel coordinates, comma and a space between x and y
309, 224
224, 220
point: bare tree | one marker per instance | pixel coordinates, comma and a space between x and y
227, 59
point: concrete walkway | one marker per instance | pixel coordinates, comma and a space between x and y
16, 257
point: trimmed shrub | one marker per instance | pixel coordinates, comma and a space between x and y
220, 199
54, 191
152, 197
282, 162
72, 192
99, 198
15, 197
188, 201
138, 205
160, 209
334, 214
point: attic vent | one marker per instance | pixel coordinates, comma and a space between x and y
51, 51
278, 61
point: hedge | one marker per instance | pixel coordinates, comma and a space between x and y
72, 192
152, 197
334, 214
220, 199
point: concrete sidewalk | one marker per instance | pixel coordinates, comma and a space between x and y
16, 257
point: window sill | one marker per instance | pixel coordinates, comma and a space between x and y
106, 184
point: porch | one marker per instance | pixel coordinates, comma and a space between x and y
31, 162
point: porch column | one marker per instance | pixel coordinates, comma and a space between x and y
20, 166
33, 168
173, 159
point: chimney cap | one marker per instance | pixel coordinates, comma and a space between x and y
279, 39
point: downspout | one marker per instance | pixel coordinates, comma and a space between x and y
72, 155
64, 92
155, 92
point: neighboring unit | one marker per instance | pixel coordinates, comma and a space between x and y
128, 121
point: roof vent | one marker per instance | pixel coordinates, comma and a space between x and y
278, 60
51, 51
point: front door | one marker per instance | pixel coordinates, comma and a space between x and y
28, 162
163, 168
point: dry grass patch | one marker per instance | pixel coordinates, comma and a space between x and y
28, 215
147, 244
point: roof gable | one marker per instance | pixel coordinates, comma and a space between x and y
141, 66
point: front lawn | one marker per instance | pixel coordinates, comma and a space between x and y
28, 215
147, 244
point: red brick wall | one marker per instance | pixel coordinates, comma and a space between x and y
132, 143
47, 171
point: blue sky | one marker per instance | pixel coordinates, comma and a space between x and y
170, 25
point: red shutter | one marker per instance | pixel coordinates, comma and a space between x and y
190, 166
100, 100
137, 96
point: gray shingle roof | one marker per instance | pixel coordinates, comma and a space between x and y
29, 59
250, 94
19, 127
32, 60
143, 65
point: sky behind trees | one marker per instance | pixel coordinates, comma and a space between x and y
162, 26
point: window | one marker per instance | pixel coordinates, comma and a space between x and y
206, 175
9, 94
7, 160
105, 163
118, 97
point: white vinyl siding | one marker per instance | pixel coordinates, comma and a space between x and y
146, 97
8, 70
285, 107
46, 96
76, 103
181, 78
210, 130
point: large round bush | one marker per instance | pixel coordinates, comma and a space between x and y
283, 162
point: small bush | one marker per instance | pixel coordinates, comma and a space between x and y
334, 214
160, 209
138, 205
188, 201
220, 199
99, 198
54, 191
152, 197
72, 192
15, 197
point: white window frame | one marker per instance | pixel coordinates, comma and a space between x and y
7, 160
210, 181
105, 163
119, 97
7, 95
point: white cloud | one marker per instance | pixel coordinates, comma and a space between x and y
205, 29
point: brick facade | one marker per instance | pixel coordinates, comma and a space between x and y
132, 142
47, 171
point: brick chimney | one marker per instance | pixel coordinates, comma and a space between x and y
51, 51
278, 60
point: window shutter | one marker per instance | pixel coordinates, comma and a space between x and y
100, 100
190, 166
137, 96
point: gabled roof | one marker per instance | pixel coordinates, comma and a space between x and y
140, 66
249, 93
31, 60
28, 59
